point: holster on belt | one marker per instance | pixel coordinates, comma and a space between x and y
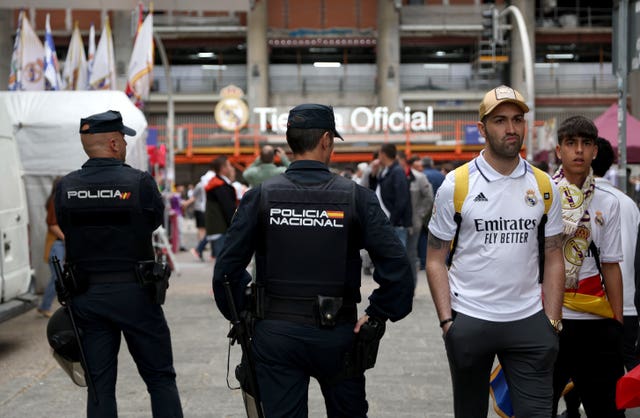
74, 281
364, 351
154, 276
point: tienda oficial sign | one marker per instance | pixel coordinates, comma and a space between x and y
359, 120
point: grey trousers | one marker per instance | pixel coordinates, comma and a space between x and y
527, 350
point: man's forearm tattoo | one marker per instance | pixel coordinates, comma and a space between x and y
553, 242
434, 242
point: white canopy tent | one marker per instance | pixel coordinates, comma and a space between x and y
45, 126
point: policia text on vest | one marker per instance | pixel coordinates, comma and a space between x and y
108, 211
306, 228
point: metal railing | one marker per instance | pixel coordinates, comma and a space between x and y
199, 142
468, 17
574, 17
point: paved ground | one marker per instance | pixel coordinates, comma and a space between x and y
410, 379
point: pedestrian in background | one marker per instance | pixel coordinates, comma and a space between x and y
264, 167
53, 247
421, 207
177, 204
199, 197
221, 203
490, 301
306, 228
107, 236
200, 206
435, 178
433, 174
390, 184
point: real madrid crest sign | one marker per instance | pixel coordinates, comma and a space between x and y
231, 112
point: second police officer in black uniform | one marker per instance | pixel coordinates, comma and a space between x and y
306, 227
108, 211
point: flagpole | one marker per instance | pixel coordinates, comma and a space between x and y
170, 161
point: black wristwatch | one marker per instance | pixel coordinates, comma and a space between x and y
445, 322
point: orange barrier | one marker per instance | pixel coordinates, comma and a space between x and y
201, 142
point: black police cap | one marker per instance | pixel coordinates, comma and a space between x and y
313, 116
109, 121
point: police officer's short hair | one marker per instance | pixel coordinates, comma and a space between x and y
303, 140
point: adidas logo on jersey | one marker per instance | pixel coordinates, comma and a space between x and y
480, 198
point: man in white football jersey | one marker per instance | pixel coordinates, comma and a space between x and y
490, 301
591, 341
630, 231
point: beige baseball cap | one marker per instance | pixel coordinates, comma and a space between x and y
499, 95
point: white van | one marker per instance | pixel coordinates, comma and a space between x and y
16, 289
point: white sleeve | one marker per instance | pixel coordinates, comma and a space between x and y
611, 248
442, 224
554, 225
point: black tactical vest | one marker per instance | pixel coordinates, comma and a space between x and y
306, 247
105, 229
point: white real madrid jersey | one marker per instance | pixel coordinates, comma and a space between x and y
629, 224
604, 215
494, 273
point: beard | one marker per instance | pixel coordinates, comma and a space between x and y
503, 149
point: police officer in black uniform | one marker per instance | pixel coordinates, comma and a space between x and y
108, 211
306, 227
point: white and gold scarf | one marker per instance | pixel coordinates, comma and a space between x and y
577, 225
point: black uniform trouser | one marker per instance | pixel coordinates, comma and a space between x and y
630, 332
526, 349
287, 354
591, 355
105, 312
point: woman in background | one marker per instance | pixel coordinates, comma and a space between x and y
54, 246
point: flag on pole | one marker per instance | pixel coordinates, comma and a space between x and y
140, 16
51, 66
15, 80
103, 73
74, 73
92, 50
32, 58
140, 74
27, 61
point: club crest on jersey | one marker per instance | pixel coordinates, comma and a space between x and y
530, 198
306, 217
98, 194
599, 218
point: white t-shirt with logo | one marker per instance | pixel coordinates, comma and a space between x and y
629, 224
494, 273
604, 213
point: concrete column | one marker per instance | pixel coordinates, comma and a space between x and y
388, 55
517, 81
121, 28
7, 30
257, 57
